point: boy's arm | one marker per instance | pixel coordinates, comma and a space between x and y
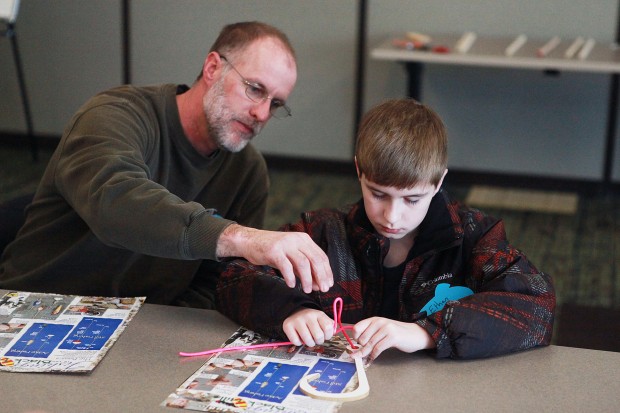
257, 297
512, 307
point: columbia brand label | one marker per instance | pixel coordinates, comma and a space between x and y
442, 277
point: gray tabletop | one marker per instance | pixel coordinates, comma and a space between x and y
143, 368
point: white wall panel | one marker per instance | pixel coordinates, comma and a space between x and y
70, 50
170, 40
512, 121
509, 121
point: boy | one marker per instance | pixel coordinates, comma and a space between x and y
415, 269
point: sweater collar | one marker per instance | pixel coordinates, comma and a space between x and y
175, 128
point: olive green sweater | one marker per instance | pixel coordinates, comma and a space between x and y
125, 205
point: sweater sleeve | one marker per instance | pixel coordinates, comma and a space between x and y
103, 174
512, 307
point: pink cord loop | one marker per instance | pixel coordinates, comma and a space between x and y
338, 328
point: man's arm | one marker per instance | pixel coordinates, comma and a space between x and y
294, 254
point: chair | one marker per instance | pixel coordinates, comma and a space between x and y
8, 15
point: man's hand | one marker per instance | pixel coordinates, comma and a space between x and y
309, 327
293, 253
377, 334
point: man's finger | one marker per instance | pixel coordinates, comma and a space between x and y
322, 276
302, 269
286, 269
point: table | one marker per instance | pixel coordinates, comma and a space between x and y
488, 51
142, 369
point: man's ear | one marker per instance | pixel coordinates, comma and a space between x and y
212, 65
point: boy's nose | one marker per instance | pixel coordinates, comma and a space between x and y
392, 212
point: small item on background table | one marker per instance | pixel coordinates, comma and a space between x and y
548, 47
419, 41
408, 44
516, 44
440, 49
413, 41
419, 38
465, 42
574, 47
586, 49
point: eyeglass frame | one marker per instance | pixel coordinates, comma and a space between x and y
264, 94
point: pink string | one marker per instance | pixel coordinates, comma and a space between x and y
338, 328
338, 323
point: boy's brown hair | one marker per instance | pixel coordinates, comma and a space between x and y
402, 143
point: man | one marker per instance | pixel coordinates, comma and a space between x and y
147, 182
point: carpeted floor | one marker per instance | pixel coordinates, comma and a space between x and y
579, 249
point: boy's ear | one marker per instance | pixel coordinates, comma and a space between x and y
440, 181
357, 168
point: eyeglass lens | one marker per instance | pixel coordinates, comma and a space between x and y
258, 94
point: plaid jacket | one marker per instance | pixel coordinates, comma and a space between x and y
512, 307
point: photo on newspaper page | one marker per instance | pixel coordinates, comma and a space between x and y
54, 333
267, 379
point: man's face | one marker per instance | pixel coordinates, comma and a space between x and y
396, 213
232, 118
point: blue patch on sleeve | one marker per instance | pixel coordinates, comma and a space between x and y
443, 294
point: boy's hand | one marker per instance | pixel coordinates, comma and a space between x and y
309, 327
377, 334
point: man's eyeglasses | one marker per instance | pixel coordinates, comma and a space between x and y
257, 93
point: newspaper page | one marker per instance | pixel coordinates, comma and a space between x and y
55, 333
267, 379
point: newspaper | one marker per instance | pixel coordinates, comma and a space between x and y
60, 333
266, 380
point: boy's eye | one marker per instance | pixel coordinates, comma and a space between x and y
377, 196
411, 201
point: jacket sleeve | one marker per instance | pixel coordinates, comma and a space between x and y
257, 297
512, 307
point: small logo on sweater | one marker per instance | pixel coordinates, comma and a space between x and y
442, 277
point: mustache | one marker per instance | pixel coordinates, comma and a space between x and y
253, 124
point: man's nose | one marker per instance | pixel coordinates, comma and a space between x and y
261, 111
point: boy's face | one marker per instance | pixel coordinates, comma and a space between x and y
396, 213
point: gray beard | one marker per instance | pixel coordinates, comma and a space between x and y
219, 118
